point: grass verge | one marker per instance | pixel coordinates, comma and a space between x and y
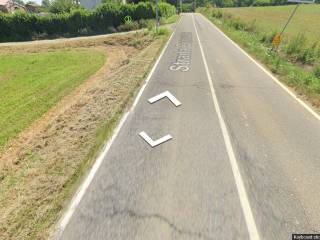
46, 165
169, 20
273, 18
302, 78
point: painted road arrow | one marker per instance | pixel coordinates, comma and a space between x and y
167, 94
157, 142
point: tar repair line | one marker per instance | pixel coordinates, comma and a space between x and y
84, 186
245, 204
284, 87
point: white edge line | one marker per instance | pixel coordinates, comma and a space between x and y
63, 222
244, 200
306, 106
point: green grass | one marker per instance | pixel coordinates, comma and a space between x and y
169, 20
32, 83
268, 19
42, 185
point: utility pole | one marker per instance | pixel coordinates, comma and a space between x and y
180, 6
157, 15
291, 16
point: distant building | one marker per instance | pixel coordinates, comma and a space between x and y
89, 4
9, 6
33, 7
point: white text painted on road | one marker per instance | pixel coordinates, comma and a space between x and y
167, 94
183, 60
155, 143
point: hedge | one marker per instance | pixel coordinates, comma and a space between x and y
22, 26
188, 7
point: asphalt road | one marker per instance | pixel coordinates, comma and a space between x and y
243, 163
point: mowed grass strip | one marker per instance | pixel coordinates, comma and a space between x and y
32, 83
47, 169
269, 19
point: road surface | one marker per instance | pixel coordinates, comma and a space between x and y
243, 161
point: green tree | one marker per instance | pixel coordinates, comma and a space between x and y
19, 2
46, 4
60, 6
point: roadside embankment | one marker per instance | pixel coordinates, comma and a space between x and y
41, 168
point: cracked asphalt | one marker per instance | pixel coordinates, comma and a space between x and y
185, 188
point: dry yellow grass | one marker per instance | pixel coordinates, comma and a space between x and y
40, 170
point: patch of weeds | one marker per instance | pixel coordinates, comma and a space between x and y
316, 72
252, 26
128, 26
267, 38
172, 19
298, 50
216, 13
160, 31
296, 44
111, 30
310, 54
147, 23
276, 65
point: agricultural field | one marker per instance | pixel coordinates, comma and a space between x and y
270, 19
31, 83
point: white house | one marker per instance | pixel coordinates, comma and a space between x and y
90, 4
9, 6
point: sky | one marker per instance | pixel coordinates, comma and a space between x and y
37, 1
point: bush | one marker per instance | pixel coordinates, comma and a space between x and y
267, 38
128, 26
235, 23
296, 44
60, 6
147, 23
22, 26
217, 14
299, 50
188, 7
251, 27
262, 3
316, 71
166, 10
160, 31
